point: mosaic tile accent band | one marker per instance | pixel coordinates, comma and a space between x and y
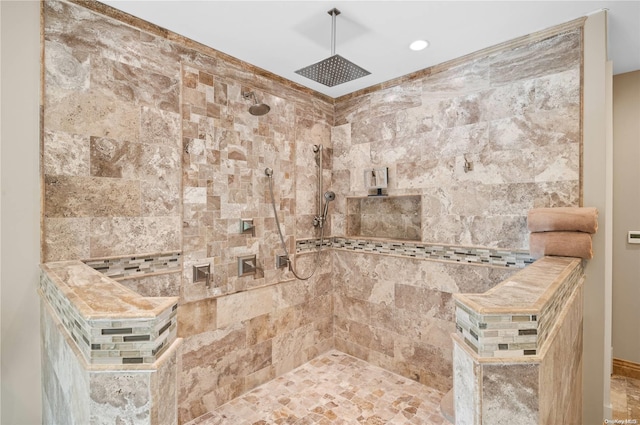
102, 341
137, 265
486, 256
498, 335
514, 334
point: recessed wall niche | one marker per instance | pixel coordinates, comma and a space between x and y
392, 217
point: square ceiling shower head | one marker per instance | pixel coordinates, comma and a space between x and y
333, 71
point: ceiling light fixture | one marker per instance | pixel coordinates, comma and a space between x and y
335, 69
419, 45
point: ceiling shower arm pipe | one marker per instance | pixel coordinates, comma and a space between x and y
320, 180
333, 12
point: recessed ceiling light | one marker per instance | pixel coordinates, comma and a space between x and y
419, 45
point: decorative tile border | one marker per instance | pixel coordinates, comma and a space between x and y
510, 335
514, 334
303, 245
139, 265
102, 341
487, 256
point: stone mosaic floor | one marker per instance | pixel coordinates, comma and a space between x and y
333, 388
625, 398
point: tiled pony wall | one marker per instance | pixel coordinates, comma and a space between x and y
150, 153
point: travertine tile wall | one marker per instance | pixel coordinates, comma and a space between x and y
226, 151
112, 142
237, 342
515, 114
149, 148
398, 313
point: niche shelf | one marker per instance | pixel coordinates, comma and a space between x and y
391, 217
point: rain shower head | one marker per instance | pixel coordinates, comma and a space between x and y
256, 109
335, 69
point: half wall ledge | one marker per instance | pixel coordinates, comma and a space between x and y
518, 348
107, 352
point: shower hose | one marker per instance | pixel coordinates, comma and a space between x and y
269, 173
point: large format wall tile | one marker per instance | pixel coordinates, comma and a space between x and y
110, 236
65, 154
236, 342
510, 385
549, 56
91, 197
66, 239
514, 114
397, 313
112, 137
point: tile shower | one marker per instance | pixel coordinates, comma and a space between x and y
150, 159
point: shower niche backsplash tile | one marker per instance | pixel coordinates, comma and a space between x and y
392, 217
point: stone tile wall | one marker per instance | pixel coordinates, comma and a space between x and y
563, 366
225, 153
112, 142
398, 313
149, 148
239, 341
124, 341
513, 113
499, 328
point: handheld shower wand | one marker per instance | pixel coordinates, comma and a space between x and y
328, 197
318, 221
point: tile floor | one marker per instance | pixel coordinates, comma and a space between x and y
625, 398
331, 389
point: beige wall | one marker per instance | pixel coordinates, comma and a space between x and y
626, 204
597, 320
20, 54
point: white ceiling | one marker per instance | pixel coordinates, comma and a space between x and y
283, 36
